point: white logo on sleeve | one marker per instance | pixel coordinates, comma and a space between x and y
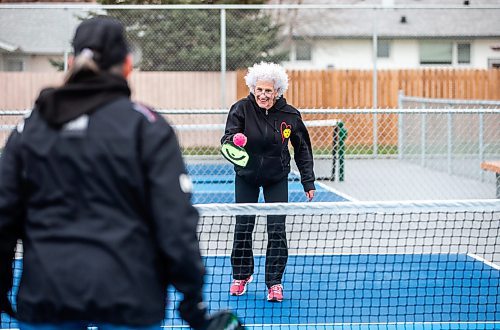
20, 126
185, 183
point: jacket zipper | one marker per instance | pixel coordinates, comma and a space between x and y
257, 177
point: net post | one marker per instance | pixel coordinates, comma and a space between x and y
334, 151
341, 149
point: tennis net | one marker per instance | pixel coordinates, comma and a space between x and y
352, 265
363, 263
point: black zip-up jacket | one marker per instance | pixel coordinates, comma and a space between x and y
268, 133
96, 188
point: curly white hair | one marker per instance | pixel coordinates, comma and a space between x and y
265, 71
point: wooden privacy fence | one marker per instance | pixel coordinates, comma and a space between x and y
163, 90
353, 88
345, 89
308, 89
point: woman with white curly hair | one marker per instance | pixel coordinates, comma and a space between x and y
263, 124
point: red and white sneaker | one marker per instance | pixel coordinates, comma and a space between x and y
239, 287
275, 293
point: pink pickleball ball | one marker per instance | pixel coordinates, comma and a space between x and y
239, 139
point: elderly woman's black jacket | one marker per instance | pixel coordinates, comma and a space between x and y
268, 134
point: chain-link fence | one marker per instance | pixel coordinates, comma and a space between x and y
451, 136
346, 35
346, 61
448, 145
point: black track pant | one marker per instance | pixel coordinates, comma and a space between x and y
277, 250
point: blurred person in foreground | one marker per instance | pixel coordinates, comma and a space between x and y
263, 124
95, 187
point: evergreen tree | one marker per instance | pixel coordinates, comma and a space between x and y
189, 39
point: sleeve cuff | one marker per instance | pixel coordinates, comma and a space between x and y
308, 186
194, 312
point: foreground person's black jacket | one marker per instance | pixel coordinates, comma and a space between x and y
96, 188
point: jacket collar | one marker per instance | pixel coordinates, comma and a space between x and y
279, 105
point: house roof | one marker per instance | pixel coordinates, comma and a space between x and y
397, 22
7, 47
40, 31
403, 23
49, 31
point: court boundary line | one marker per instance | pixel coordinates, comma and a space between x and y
372, 323
337, 324
335, 191
486, 262
341, 324
330, 189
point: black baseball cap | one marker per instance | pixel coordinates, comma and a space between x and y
105, 36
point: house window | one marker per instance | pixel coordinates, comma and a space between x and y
436, 52
383, 48
303, 51
14, 64
463, 53
494, 63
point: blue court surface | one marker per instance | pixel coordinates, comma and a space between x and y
351, 292
440, 291
214, 183
369, 291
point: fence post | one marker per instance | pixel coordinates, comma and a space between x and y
223, 57
481, 144
375, 83
400, 125
423, 131
450, 142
